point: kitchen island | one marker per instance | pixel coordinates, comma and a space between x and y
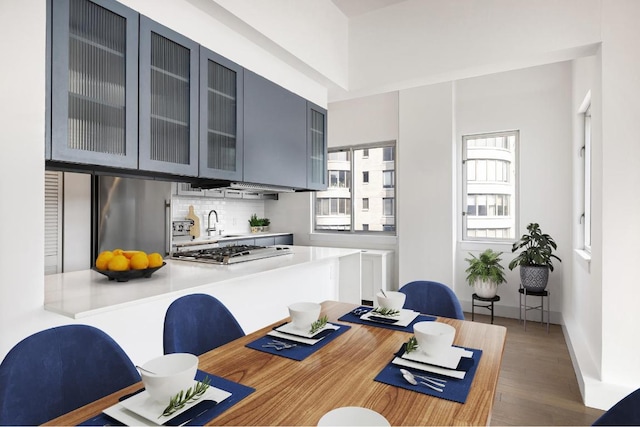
257, 292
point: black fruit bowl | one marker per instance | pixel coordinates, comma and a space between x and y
125, 276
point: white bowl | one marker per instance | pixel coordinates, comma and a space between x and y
353, 416
393, 300
172, 373
434, 337
303, 314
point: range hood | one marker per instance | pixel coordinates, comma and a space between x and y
242, 186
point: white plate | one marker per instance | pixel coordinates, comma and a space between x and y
449, 358
428, 368
353, 416
144, 406
288, 328
309, 341
404, 319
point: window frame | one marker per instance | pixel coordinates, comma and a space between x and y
587, 205
357, 198
511, 178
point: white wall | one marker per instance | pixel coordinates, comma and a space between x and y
425, 184
537, 102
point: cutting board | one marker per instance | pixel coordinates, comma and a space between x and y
195, 228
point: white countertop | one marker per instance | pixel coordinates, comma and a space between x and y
87, 292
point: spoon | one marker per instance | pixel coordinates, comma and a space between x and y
146, 370
383, 294
412, 380
436, 381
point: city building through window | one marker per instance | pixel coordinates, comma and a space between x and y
366, 205
489, 185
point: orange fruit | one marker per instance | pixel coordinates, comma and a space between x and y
102, 262
155, 260
118, 251
129, 254
119, 263
139, 261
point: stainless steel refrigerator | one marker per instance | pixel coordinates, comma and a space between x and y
132, 214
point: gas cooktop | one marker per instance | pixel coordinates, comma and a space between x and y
231, 254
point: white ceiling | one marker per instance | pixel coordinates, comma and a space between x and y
352, 8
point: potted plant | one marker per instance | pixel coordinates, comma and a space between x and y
485, 273
535, 260
255, 223
265, 224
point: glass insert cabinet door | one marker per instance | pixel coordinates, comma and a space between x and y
316, 147
221, 117
168, 102
94, 77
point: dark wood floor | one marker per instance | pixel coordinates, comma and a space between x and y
537, 384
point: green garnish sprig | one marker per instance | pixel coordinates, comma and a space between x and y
385, 311
318, 324
411, 345
191, 394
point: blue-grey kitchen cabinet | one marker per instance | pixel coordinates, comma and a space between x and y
316, 147
221, 117
94, 83
168, 105
275, 134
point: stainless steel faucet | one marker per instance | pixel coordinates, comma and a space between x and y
209, 228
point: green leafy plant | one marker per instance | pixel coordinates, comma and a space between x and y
265, 222
538, 248
318, 324
385, 311
411, 345
191, 394
486, 267
254, 221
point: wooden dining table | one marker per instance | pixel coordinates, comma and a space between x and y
290, 392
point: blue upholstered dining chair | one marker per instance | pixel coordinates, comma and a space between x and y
432, 298
198, 323
58, 370
624, 413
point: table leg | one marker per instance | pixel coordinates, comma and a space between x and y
492, 312
473, 306
525, 310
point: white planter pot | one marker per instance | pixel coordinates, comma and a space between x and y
485, 289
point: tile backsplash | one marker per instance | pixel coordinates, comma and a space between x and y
233, 214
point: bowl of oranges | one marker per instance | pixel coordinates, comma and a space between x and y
121, 265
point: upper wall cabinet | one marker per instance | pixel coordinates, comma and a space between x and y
221, 117
94, 76
316, 147
168, 103
275, 134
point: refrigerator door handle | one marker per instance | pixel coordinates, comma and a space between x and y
167, 227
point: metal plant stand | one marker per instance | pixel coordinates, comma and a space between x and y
488, 306
542, 294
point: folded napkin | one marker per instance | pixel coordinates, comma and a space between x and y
354, 318
238, 392
301, 350
455, 390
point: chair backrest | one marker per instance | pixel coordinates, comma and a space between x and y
58, 370
624, 413
198, 323
432, 298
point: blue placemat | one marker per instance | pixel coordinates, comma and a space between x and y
300, 351
455, 390
238, 392
353, 318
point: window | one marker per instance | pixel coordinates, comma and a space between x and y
388, 179
489, 190
366, 205
586, 156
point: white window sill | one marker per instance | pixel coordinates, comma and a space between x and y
584, 258
353, 237
481, 245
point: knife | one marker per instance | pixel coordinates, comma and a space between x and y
383, 319
191, 413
